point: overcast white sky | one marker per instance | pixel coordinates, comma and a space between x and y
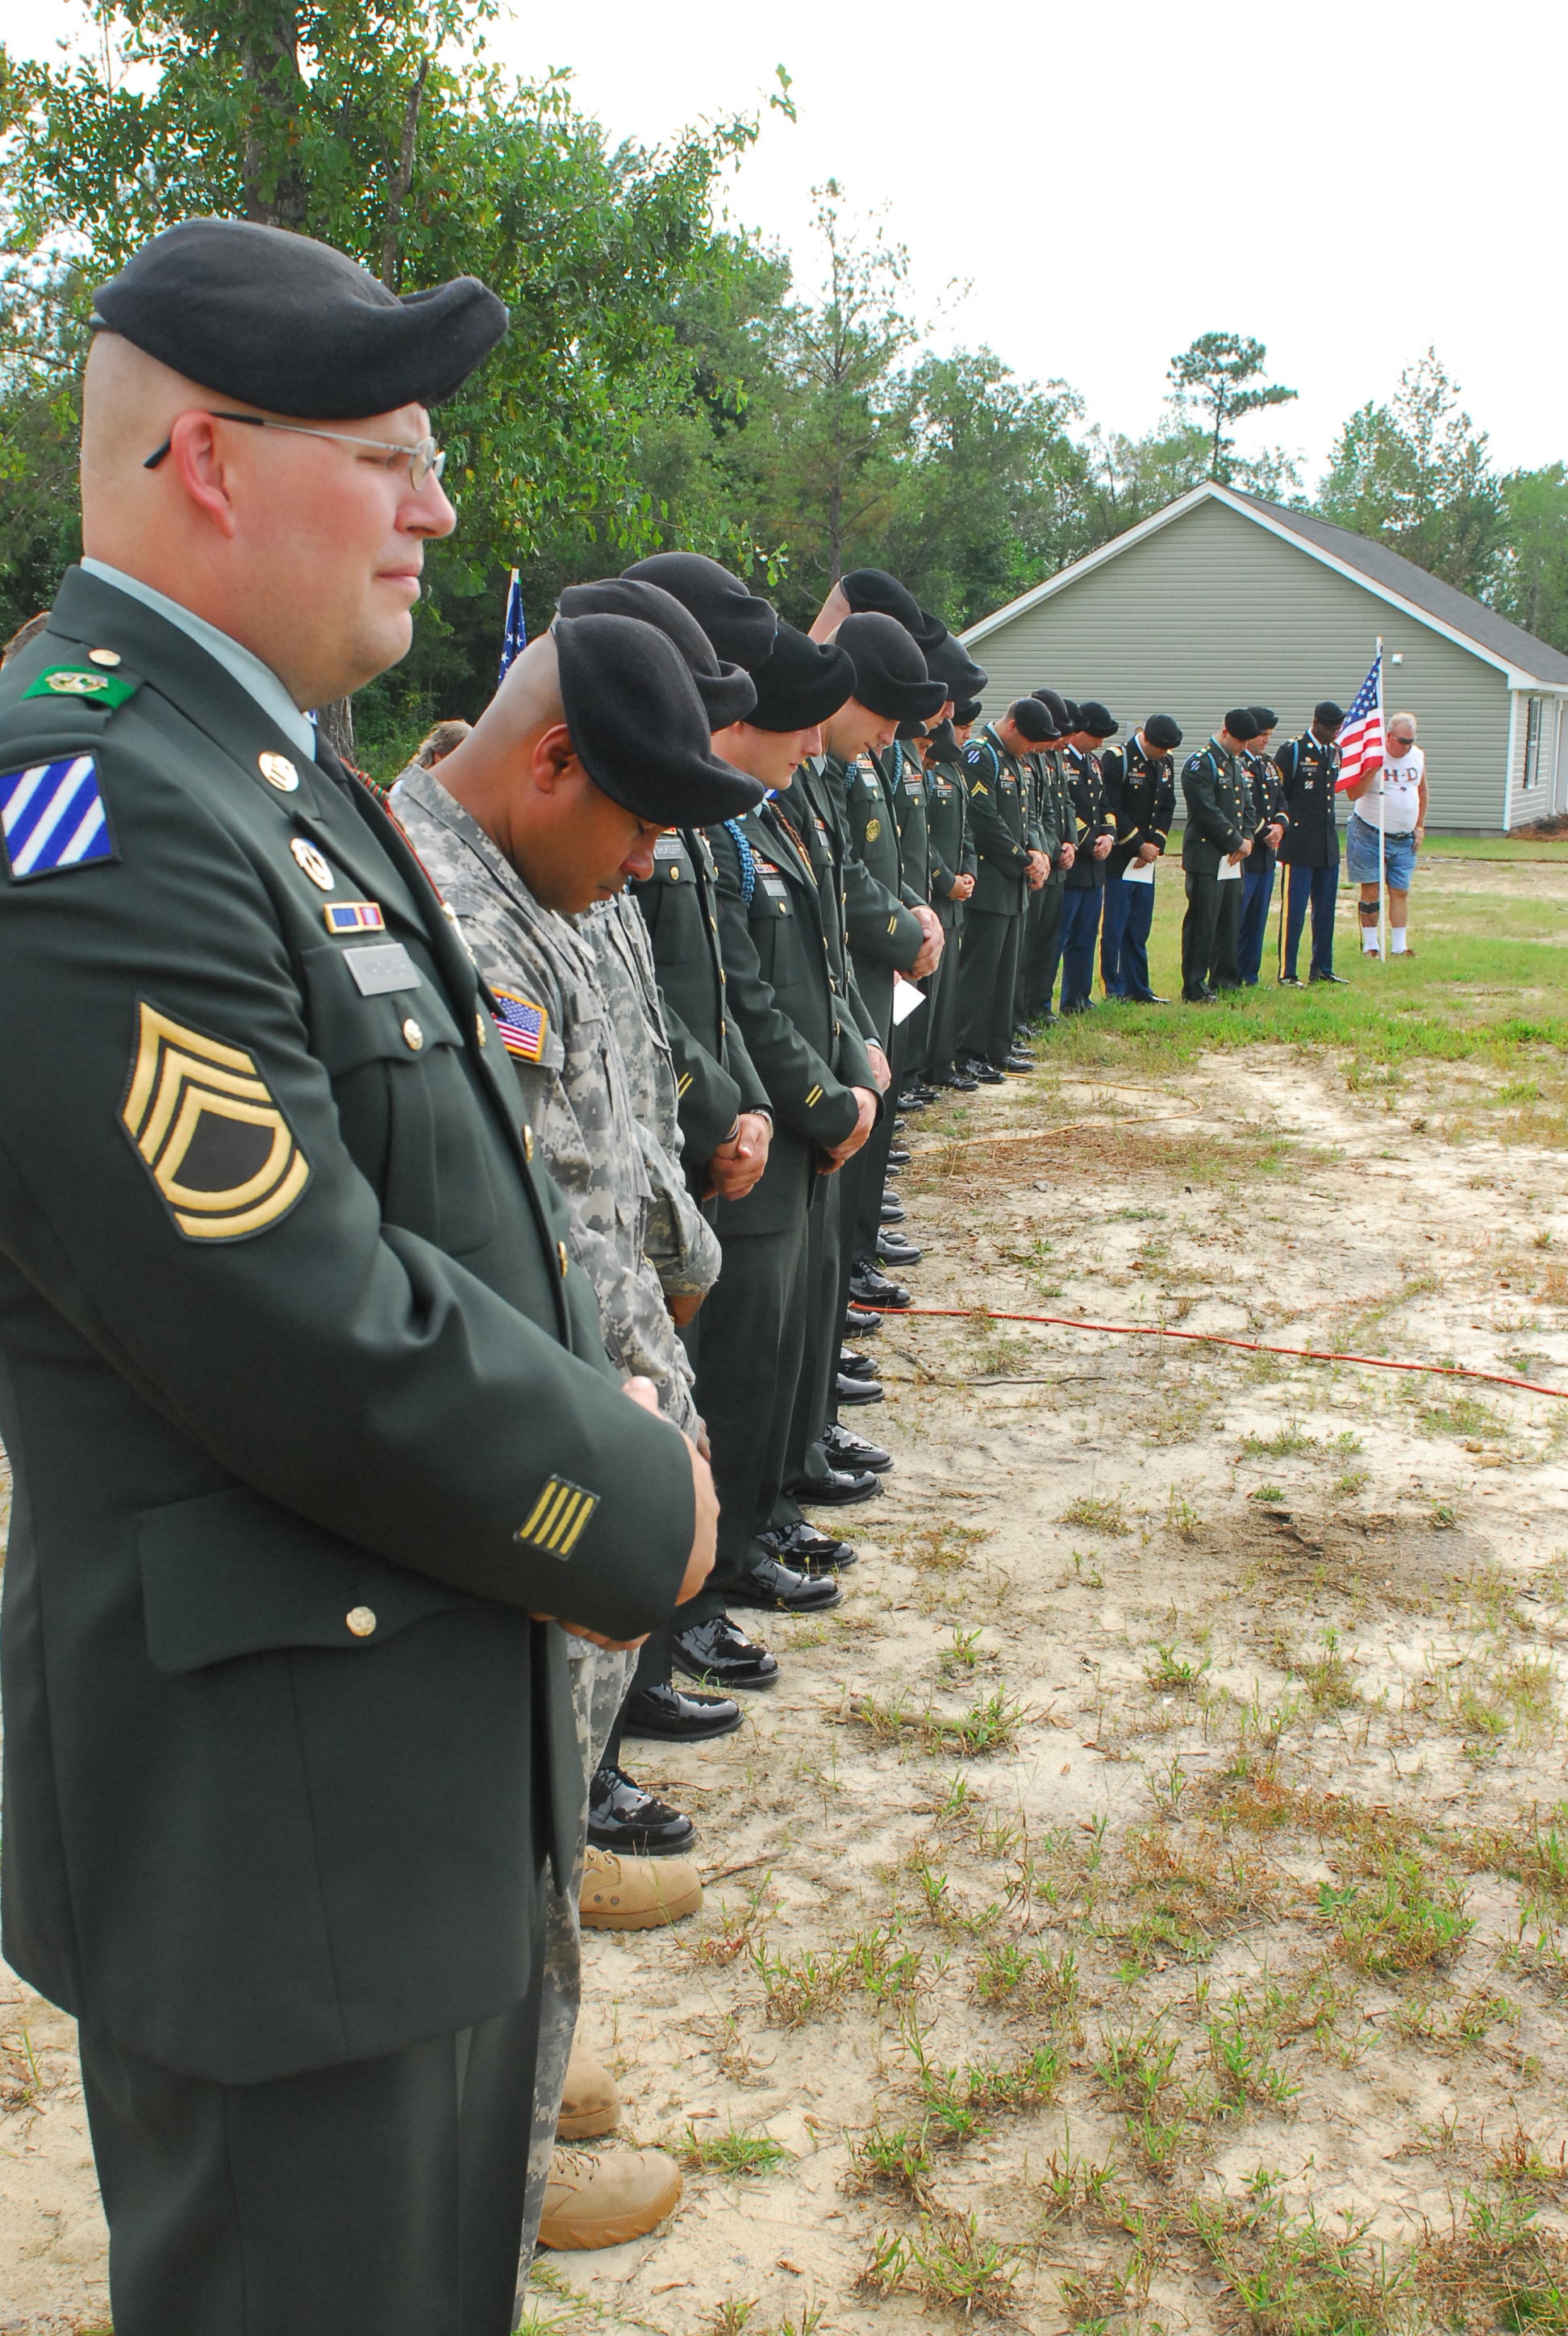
1348, 182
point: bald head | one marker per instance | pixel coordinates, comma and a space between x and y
305, 549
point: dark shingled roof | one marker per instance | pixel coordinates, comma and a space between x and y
1380, 566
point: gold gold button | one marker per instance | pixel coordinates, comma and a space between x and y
675, 875
528, 1145
105, 656
412, 1036
279, 772
560, 1253
360, 1620
478, 1025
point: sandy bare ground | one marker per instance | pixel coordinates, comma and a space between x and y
1140, 1903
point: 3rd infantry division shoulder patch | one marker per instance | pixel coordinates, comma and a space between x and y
54, 819
204, 1125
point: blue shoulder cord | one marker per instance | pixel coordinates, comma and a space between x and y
747, 862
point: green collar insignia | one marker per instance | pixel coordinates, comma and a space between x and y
84, 682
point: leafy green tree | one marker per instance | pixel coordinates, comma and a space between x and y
1532, 585
1416, 474
1216, 375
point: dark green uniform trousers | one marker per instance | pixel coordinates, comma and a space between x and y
383, 2196
987, 974
816, 1391
1211, 934
750, 1356
873, 1152
1033, 922
939, 1021
1042, 950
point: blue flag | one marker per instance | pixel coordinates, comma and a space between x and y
515, 634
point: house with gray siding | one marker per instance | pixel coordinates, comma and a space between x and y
1225, 600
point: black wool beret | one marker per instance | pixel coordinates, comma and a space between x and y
1161, 731
1094, 718
1056, 705
1327, 715
1073, 718
727, 693
1032, 720
891, 677
280, 321
1265, 717
967, 711
871, 591
740, 626
950, 661
802, 683
931, 633
1241, 724
638, 726
944, 745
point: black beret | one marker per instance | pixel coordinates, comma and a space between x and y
1094, 718
1030, 717
726, 693
1056, 705
802, 683
280, 321
638, 726
1241, 725
891, 677
1265, 717
1327, 715
872, 590
1070, 710
949, 661
944, 745
1161, 731
740, 626
967, 711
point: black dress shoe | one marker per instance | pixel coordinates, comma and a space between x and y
841, 1488
667, 1711
1197, 996
855, 1366
781, 1590
869, 1288
898, 1157
862, 1321
893, 1211
911, 1099
717, 1650
853, 1391
1289, 981
959, 1081
984, 1074
629, 1822
810, 1550
853, 1452
1017, 1065
1339, 979
1147, 997
1048, 1019
894, 1250
926, 1092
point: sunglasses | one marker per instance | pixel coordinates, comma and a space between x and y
426, 461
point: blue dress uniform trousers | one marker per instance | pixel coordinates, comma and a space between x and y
1257, 893
1128, 913
1320, 887
1080, 928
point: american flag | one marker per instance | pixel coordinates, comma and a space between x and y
522, 1024
514, 633
1361, 740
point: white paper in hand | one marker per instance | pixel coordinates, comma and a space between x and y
906, 1000
1133, 874
1230, 871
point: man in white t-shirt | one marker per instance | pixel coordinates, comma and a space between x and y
1401, 784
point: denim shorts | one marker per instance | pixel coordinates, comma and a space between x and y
1361, 855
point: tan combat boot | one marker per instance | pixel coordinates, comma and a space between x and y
589, 2103
601, 2200
636, 1894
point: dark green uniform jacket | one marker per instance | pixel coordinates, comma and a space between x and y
715, 1079
1218, 809
1140, 788
284, 1383
905, 782
995, 780
1092, 816
949, 846
884, 937
798, 1025
1056, 809
815, 811
1308, 772
1266, 795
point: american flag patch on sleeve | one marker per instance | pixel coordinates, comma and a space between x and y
522, 1024
53, 818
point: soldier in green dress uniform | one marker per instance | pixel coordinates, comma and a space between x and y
1215, 843
1008, 867
310, 1416
952, 865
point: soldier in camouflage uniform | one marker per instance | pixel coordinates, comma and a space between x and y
620, 1181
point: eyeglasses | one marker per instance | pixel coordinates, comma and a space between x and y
426, 461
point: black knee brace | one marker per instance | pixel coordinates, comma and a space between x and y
1368, 911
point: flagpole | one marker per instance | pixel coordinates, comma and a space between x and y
1382, 822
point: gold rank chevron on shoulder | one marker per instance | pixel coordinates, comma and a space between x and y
204, 1125
556, 1520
